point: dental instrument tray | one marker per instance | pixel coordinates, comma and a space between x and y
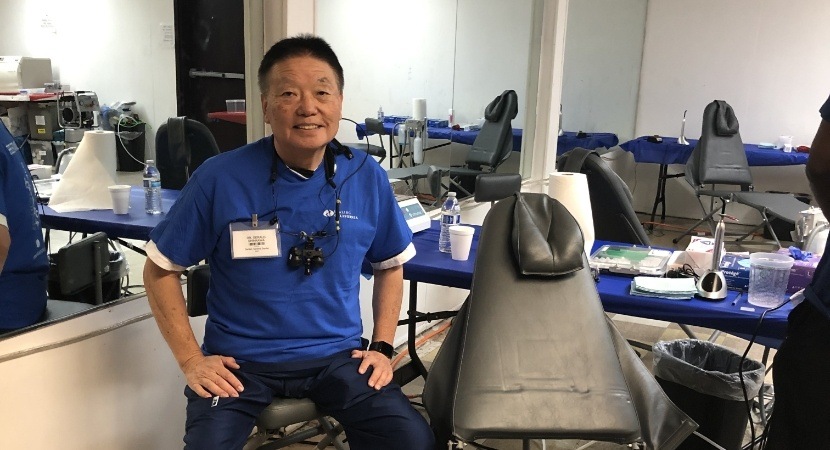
630, 260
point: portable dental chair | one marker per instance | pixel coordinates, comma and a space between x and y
531, 354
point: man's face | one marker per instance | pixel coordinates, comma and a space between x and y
303, 104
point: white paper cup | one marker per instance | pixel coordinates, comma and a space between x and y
120, 194
461, 239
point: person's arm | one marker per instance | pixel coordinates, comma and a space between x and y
387, 295
818, 166
207, 376
5, 243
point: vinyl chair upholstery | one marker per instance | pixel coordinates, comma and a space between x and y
531, 354
611, 201
282, 412
719, 158
492, 146
372, 126
491, 187
182, 145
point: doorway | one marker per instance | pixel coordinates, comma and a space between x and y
210, 64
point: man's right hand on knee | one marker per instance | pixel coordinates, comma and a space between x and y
209, 376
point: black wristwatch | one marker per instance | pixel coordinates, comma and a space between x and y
383, 348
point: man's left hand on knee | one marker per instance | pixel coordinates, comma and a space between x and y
381, 374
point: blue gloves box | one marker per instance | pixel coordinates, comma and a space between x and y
735, 268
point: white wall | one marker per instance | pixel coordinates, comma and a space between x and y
457, 55
768, 59
603, 51
105, 380
112, 47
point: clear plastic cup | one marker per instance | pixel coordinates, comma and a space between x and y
768, 277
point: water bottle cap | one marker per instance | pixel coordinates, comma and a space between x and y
451, 194
150, 161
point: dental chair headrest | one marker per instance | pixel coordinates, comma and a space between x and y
546, 238
726, 124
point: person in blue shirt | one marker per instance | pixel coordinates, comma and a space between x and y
285, 224
23, 261
801, 412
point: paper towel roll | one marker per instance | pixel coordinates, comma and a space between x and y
419, 108
571, 190
83, 185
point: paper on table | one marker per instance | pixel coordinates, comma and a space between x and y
571, 190
84, 184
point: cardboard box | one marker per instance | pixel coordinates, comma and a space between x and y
735, 268
699, 252
801, 273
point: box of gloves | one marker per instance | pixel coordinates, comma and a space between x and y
803, 268
735, 268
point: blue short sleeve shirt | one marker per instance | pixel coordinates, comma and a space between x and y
261, 309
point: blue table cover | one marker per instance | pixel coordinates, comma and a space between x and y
670, 152
431, 266
137, 224
566, 142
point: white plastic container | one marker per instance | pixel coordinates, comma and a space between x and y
768, 277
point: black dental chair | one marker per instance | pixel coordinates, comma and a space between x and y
531, 354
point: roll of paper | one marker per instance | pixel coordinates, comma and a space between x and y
571, 190
419, 108
84, 184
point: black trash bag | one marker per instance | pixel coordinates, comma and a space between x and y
707, 368
703, 379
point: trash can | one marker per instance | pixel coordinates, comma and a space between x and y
129, 144
702, 379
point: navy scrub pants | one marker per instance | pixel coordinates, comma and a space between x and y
801, 413
373, 420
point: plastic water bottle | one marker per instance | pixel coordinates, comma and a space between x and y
450, 215
152, 188
380, 113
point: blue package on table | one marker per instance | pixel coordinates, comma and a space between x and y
735, 269
438, 123
394, 119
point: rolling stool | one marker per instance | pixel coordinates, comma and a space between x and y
283, 412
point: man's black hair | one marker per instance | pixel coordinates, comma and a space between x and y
300, 45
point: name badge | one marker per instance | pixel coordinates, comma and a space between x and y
252, 240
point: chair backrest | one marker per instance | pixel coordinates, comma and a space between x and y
494, 142
182, 145
198, 282
530, 285
491, 187
719, 157
611, 201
